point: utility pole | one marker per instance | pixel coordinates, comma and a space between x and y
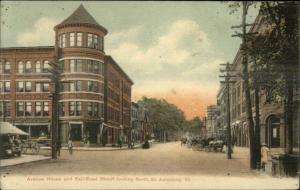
54, 119
227, 81
243, 49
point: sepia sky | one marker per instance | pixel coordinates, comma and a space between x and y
170, 50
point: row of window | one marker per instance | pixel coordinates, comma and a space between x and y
113, 114
80, 39
78, 85
81, 65
42, 109
75, 108
26, 108
26, 67
25, 86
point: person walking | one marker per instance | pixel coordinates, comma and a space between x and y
58, 147
70, 146
264, 156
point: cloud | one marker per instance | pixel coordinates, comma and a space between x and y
183, 38
41, 34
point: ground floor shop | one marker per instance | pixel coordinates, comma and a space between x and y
35, 130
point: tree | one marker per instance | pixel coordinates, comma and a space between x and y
165, 118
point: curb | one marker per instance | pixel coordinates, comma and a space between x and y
94, 149
24, 163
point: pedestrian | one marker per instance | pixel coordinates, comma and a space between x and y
58, 147
70, 146
120, 142
264, 156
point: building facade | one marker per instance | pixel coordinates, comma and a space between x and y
86, 77
211, 120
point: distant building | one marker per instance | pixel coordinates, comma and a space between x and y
94, 92
222, 114
211, 121
140, 125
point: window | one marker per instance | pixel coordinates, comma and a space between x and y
72, 108
72, 39
101, 69
1, 67
38, 67
28, 67
63, 41
95, 42
90, 86
28, 111
78, 108
20, 108
20, 67
46, 87
78, 65
90, 66
27, 86
96, 109
72, 86
72, 65
6, 86
90, 108
79, 39
6, 108
20, 86
78, 85
38, 87
46, 109
96, 67
60, 41
7, 67
1, 86
61, 109
96, 87
38, 108
90, 40
46, 67
61, 66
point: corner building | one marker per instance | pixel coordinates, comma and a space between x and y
80, 57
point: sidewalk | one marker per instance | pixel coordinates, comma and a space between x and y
25, 158
106, 148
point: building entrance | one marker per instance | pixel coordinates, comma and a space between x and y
75, 132
273, 132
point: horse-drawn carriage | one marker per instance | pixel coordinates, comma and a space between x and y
206, 144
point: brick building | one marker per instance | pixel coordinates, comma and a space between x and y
94, 92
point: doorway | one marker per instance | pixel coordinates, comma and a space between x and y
273, 132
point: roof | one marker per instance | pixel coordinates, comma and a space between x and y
119, 68
81, 16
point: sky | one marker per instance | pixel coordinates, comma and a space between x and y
171, 50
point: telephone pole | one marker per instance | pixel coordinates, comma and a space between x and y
244, 35
227, 81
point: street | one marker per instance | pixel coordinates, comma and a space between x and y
169, 159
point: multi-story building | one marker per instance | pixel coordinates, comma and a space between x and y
134, 121
94, 92
140, 123
271, 115
222, 114
117, 102
211, 120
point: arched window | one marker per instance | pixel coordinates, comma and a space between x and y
28, 67
20, 67
46, 66
37, 66
7, 67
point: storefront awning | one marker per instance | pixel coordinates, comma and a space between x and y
9, 129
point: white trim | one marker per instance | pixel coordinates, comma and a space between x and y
85, 79
5, 80
87, 58
74, 122
80, 100
33, 101
85, 92
82, 73
37, 80
32, 124
18, 74
34, 92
